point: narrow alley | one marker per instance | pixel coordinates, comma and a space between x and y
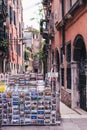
43, 65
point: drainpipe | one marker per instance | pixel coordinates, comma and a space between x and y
63, 29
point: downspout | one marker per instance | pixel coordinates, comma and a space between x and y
63, 29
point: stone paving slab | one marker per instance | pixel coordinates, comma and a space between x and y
67, 112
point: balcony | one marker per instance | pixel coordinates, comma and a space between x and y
59, 24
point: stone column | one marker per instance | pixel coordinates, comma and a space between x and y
74, 85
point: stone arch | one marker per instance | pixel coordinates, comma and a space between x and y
79, 48
79, 55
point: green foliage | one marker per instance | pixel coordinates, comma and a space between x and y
4, 43
33, 30
36, 55
26, 65
41, 55
26, 55
41, 52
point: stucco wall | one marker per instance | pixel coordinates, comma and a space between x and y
77, 25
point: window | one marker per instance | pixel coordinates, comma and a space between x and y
0, 2
60, 11
61, 55
52, 57
5, 2
62, 76
14, 18
19, 49
35, 36
69, 4
74, 1
10, 41
69, 78
11, 13
15, 43
20, 32
14, 2
12, 66
1, 35
68, 53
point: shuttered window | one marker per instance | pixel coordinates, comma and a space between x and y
11, 13
68, 53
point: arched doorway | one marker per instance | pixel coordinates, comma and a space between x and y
80, 56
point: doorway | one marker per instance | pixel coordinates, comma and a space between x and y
80, 57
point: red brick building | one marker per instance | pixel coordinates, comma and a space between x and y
15, 32
65, 49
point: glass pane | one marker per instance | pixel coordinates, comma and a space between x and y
73, 2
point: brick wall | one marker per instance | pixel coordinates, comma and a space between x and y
66, 97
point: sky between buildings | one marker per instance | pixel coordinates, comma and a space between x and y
30, 10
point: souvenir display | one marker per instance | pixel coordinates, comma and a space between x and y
28, 100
